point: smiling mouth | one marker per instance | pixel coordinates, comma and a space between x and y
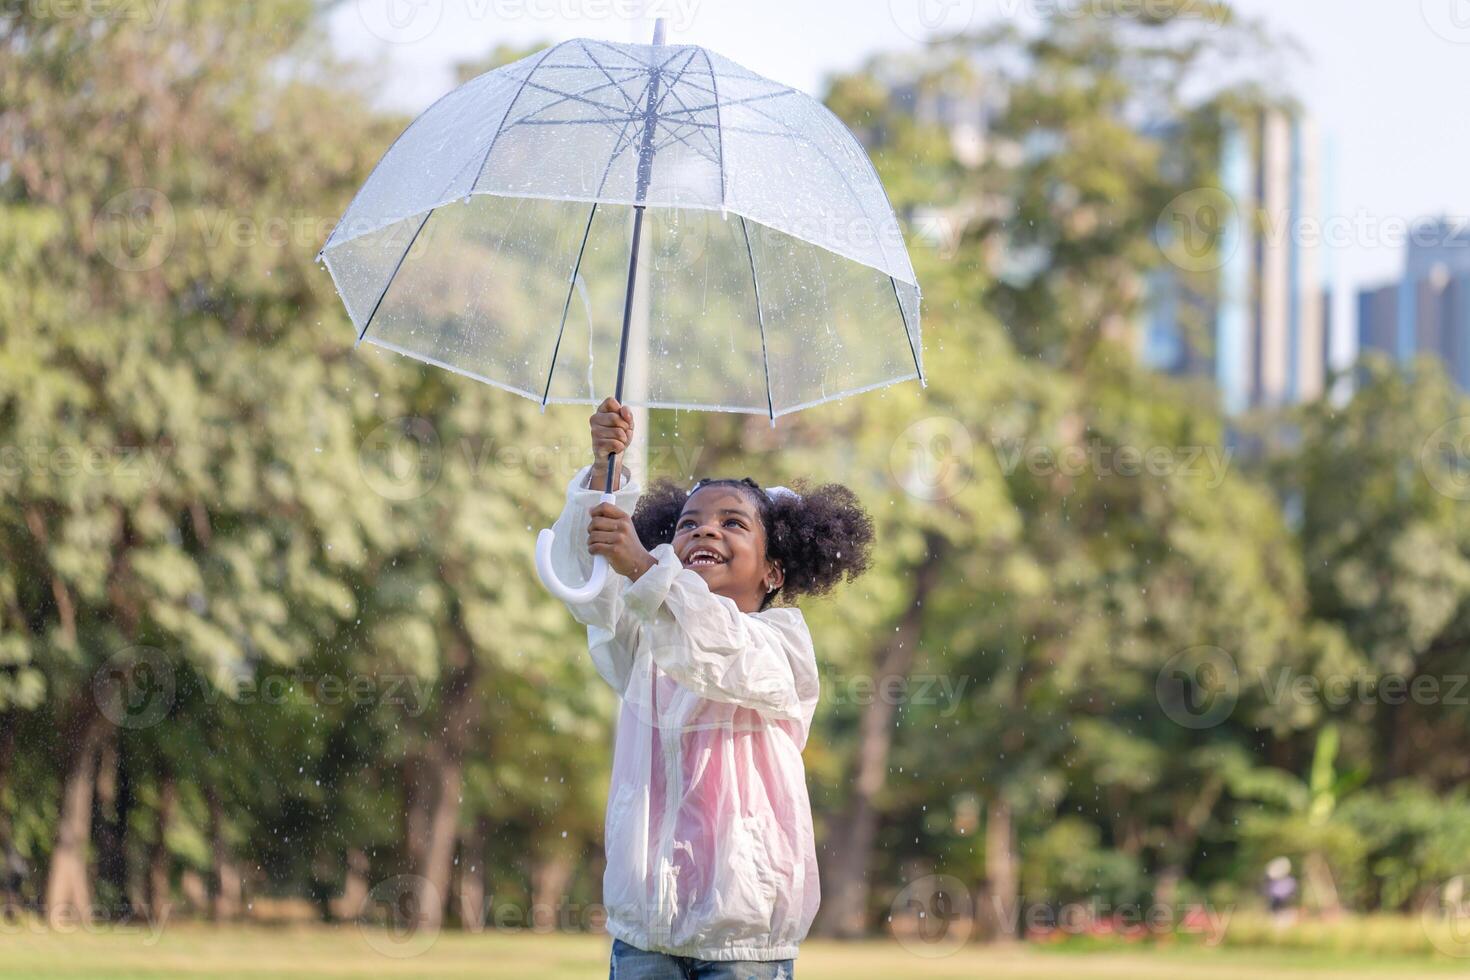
702, 558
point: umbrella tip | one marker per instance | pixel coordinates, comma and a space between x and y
658, 31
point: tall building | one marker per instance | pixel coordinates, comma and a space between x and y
1267, 315
1456, 344
1428, 310
1378, 320
961, 100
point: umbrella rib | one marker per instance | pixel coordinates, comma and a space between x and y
667, 123
674, 137
719, 129
528, 121
387, 285
513, 99
672, 55
603, 68
621, 145
571, 285
904, 318
633, 72
792, 134
635, 65
385, 156
748, 99
760, 318
614, 112
669, 88
800, 137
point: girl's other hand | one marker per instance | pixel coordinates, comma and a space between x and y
612, 428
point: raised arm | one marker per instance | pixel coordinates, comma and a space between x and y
611, 637
702, 639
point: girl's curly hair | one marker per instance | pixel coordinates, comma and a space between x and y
817, 539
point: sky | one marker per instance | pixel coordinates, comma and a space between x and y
1384, 80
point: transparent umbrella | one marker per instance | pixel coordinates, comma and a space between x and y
507, 231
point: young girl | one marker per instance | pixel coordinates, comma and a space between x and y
711, 863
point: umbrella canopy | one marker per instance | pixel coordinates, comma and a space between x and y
499, 236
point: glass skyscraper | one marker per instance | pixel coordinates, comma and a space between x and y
1428, 310
1266, 310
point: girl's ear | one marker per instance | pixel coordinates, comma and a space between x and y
775, 577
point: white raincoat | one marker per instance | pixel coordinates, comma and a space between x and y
709, 843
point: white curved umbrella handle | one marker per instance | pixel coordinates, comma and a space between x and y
554, 585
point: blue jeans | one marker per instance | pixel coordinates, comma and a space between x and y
632, 963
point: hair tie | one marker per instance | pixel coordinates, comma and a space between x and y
772, 493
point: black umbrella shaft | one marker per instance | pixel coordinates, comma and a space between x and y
645, 173
627, 321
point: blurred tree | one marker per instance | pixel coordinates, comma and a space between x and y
1059, 590
173, 512
211, 508
1389, 563
1303, 822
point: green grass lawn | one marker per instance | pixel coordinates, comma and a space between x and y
191, 950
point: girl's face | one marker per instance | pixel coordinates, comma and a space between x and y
719, 535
